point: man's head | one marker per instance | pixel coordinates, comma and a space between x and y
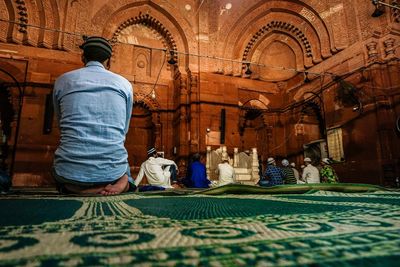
271, 161
152, 152
307, 161
96, 48
285, 163
196, 157
225, 158
325, 161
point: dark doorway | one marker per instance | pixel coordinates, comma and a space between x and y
140, 137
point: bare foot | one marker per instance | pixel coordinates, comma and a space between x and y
84, 191
119, 187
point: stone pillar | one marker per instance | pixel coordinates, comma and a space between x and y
224, 153
208, 161
235, 157
194, 114
183, 119
254, 165
372, 51
157, 131
389, 48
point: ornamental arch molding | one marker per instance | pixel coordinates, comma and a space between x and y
278, 26
148, 21
150, 103
112, 18
294, 18
43, 13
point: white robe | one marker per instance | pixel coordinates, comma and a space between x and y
156, 175
226, 174
311, 175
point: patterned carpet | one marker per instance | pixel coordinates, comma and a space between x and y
227, 226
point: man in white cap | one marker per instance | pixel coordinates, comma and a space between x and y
226, 172
310, 173
159, 171
296, 173
273, 175
328, 174
289, 173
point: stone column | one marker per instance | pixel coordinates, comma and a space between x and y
389, 48
183, 119
254, 165
208, 161
235, 157
372, 51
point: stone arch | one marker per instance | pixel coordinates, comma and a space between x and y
4, 26
15, 32
254, 124
260, 47
151, 103
279, 26
239, 31
49, 18
149, 128
148, 21
109, 17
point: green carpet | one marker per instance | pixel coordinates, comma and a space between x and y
306, 225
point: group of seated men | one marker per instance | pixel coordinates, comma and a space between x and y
162, 173
288, 174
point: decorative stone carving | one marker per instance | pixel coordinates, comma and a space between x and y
148, 21
372, 51
395, 11
22, 16
282, 26
245, 164
389, 47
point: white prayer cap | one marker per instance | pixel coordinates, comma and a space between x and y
285, 162
270, 161
307, 160
326, 161
225, 158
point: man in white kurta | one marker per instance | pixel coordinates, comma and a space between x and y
310, 173
226, 172
157, 170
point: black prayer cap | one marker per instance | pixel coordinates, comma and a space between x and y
97, 42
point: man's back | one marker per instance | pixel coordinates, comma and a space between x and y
93, 106
275, 175
226, 174
198, 175
311, 174
155, 174
289, 175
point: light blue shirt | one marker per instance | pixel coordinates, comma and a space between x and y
93, 108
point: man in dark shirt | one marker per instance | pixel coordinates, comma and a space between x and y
197, 174
274, 175
289, 173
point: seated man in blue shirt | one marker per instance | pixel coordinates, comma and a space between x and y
273, 175
93, 107
196, 176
